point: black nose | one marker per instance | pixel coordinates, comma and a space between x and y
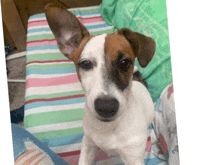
106, 106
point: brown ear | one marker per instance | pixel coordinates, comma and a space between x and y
67, 29
144, 47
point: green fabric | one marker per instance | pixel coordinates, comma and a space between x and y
148, 17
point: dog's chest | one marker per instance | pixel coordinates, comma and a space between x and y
111, 143
108, 144
115, 141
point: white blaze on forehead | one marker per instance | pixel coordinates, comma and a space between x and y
95, 48
92, 80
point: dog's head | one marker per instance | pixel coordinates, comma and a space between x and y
104, 63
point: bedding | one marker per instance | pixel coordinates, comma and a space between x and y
54, 98
148, 17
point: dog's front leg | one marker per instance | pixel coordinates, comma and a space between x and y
88, 152
133, 155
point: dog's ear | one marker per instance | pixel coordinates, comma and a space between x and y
67, 29
144, 47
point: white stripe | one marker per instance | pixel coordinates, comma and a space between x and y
28, 157
39, 33
88, 16
94, 23
53, 108
53, 89
48, 75
100, 29
85, 8
43, 51
37, 19
38, 27
54, 127
66, 148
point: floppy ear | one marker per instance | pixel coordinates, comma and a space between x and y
144, 47
67, 29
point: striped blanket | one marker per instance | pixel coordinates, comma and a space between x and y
54, 98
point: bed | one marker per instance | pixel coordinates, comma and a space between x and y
54, 97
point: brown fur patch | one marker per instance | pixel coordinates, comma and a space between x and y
118, 48
74, 56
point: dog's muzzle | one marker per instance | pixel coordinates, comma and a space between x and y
106, 106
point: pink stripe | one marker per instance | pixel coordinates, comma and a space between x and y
90, 20
37, 23
48, 62
100, 155
73, 159
82, 20
163, 144
149, 144
38, 43
42, 82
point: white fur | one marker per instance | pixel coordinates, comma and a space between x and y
126, 135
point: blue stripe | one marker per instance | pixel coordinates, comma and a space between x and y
80, 13
150, 127
51, 71
54, 142
153, 161
150, 161
52, 103
42, 15
102, 25
157, 105
47, 29
89, 27
42, 47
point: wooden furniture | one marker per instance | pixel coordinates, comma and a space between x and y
15, 15
13, 23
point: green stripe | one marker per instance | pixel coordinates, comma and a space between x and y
61, 116
54, 95
45, 57
108, 31
40, 37
59, 133
51, 66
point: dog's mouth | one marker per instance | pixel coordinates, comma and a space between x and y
105, 119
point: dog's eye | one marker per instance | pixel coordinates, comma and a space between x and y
125, 64
85, 65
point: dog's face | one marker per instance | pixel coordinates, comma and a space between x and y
104, 63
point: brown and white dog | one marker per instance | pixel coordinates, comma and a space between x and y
118, 110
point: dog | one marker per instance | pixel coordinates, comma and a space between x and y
118, 110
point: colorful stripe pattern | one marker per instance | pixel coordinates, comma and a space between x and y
54, 98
